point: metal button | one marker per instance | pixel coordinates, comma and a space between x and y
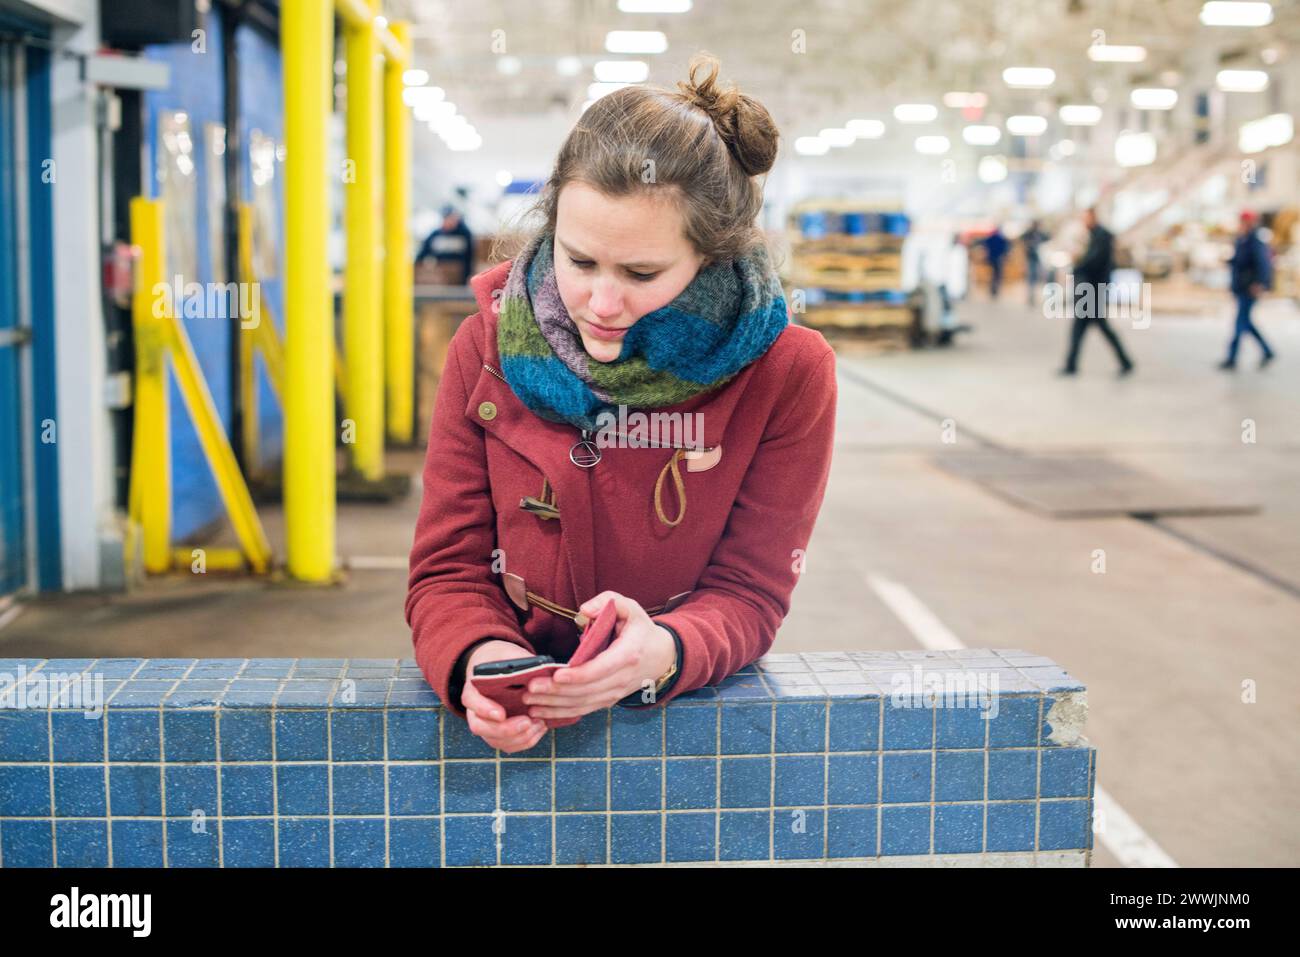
487, 411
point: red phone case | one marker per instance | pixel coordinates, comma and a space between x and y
509, 690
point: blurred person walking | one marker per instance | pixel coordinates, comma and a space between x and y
1092, 292
451, 244
1032, 239
996, 246
1252, 273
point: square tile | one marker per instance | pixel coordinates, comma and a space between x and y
245, 735
691, 782
853, 778
358, 789
580, 838
958, 828
634, 838
190, 846
414, 842
745, 835
413, 735
959, 776
1065, 772
189, 789
27, 843
1063, 825
691, 836
636, 732
800, 780
798, 834
855, 725
801, 727
1011, 827
580, 785
1016, 723
247, 790
586, 739
82, 843
25, 790
249, 843
137, 843
746, 782
135, 790
304, 842
79, 791
414, 789
301, 736
302, 789
359, 842
635, 785
908, 728
692, 729
357, 735
904, 830
905, 778
851, 832
76, 738
746, 728
24, 735
526, 839
134, 735
470, 840
526, 786
469, 786
1013, 774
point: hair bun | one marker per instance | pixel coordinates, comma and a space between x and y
744, 124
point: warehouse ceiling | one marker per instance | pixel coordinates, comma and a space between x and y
861, 57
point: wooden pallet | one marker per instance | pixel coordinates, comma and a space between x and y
857, 316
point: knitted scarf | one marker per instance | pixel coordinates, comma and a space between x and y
727, 317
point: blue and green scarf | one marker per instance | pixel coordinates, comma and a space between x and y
727, 317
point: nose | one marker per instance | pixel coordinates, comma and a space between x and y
606, 301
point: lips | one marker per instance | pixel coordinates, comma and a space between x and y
605, 332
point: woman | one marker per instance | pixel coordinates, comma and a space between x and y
649, 289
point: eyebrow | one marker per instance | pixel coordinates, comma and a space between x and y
643, 266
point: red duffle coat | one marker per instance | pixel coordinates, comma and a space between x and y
726, 571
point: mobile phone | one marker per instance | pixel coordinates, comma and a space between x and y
506, 682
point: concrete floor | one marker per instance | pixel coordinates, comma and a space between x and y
1187, 609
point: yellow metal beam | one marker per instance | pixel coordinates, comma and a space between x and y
358, 15
362, 292
399, 321
306, 37
247, 342
150, 492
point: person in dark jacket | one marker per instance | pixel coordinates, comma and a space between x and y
1252, 273
1032, 239
996, 247
1091, 292
451, 242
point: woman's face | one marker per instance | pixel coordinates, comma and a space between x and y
617, 259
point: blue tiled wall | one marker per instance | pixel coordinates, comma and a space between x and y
312, 763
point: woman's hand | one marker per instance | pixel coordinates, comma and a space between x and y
639, 655
487, 719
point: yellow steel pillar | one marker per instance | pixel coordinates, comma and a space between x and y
306, 38
150, 492
399, 323
363, 345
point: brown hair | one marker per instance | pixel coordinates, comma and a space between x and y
705, 143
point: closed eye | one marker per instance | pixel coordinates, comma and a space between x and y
640, 276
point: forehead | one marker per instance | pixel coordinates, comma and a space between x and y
639, 226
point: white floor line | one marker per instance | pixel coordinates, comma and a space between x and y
382, 563
1121, 835
9, 610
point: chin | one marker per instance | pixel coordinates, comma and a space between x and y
601, 350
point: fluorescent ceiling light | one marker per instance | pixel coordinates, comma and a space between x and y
981, 135
992, 169
1135, 149
596, 90
1236, 14
866, 129
837, 136
636, 41
568, 66
622, 71
1259, 135
1027, 125
1065, 147
1029, 77
932, 145
1153, 98
960, 101
415, 77
1080, 114
916, 112
811, 146
1106, 53
504, 178
654, 6
1242, 81
510, 65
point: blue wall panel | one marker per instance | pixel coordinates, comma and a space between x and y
196, 88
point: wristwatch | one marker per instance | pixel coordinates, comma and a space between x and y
664, 681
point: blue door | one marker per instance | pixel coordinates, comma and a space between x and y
13, 550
